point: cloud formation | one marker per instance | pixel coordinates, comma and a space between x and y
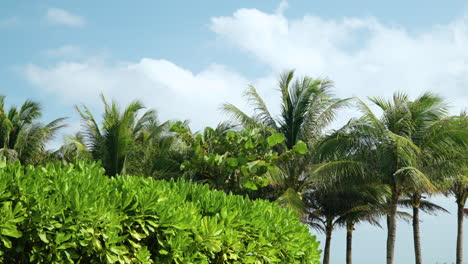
363, 56
176, 92
63, 17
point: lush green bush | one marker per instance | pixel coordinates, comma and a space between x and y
75, 214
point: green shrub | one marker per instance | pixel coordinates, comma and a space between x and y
75, 214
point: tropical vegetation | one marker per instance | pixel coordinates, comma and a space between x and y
244, 191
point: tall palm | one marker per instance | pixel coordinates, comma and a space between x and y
456, 172
417, 202
459, 189
21, 135
386, 150
307, 108
424, 122
113, 142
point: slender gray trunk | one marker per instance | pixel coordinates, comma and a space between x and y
328, 235
416, 235
349, 242
391, 232
460, 215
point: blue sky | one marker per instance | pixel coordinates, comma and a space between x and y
185, 58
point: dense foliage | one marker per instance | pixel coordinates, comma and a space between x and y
75, 214
361, 172
234, 160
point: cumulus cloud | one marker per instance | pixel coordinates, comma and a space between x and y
63, 17
361, 55
176, 92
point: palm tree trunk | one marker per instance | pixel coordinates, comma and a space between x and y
460, 215
416, 233
349, 242
328, 235
391, 226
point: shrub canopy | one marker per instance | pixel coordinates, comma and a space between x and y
75, 214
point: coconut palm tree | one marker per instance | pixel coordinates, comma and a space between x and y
158, 153
459, 188
307, 108
368, 203
22, 137
417, 202
423, 122
324, 207
386, 150
344, 205
114, 141
73, 149
456, 172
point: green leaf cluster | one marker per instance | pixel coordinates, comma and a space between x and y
75, 214
234, 160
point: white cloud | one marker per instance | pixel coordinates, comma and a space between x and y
363, 56
175, 92
60, 16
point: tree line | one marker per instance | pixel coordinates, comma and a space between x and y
364, 171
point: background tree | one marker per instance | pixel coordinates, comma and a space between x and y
116, 139
344, 205
234, 161
22, 137
307, 108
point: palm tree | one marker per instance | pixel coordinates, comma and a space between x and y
368, 204
21, 135
345, 205
422, 121
307, 108
459, 188
324, 207
386, 150
416, 201
114, 141
456, 172
73, 149
158, 153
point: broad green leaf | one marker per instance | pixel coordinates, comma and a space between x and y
275, 139
300, 147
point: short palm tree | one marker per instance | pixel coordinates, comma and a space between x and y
114, 141
22, 137
345, 205
73, 149
158, 153
368, 205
